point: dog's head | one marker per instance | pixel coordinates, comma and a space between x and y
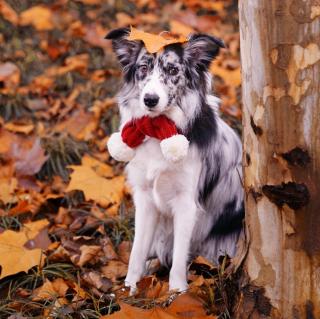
162, 78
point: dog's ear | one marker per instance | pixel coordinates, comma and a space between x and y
125, 50
201, 49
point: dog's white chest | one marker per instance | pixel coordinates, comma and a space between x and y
150, 172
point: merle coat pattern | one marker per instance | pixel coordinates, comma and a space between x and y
194, 206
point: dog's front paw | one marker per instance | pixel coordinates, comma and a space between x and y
175, 148
119, 150
133, 287
178, 284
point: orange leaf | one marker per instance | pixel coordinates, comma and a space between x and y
184, 306
7, 188
8, 13
114, 270
153, 42
40, 17
50, 290
230, 77
19, 128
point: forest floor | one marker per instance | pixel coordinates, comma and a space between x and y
66, 215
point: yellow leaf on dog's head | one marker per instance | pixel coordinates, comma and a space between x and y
154, 42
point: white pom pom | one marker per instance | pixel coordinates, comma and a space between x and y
175, 148
119, 150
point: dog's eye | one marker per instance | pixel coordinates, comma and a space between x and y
173, 70
143, 69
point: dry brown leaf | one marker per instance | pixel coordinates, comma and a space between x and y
9, 75
38, 16
8, 13
15, 257
50, 290
108, 249
231, 77
6, 140
7, 190
115, 269
80, 124
194, 310
100, 168
28, 161
204, 23
19, 128
203, 261
184, 306
124, 250
87, 253
103, 191
96, 280
180, 28
154, 42
72, 63
22, 207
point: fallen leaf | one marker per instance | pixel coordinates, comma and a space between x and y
38, 16
153, 42
15, 257
9, 75
6, 140
180, 28
194, 310
96, 280
80, 125
50, 290
19, 128
184, 306
124, 250
203, 261
8, 13
115, 269
230, 77
99, 167
7, 190
87, 253
22, 207
28, 162
104, 191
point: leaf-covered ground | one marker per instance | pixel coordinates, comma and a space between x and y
66, 216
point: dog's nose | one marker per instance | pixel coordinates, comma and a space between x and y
151, 100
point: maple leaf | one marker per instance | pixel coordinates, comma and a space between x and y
15, 257
184, 306
104, 191
153, 42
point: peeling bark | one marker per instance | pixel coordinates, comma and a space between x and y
280, 52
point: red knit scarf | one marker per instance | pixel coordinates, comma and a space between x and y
160, 127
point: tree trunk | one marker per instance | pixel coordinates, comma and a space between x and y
280, 56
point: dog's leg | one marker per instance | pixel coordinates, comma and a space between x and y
184, 216
145, 223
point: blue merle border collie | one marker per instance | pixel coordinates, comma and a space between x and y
195, 206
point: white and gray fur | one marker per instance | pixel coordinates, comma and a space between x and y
193, 207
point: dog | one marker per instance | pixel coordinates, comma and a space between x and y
193, 206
